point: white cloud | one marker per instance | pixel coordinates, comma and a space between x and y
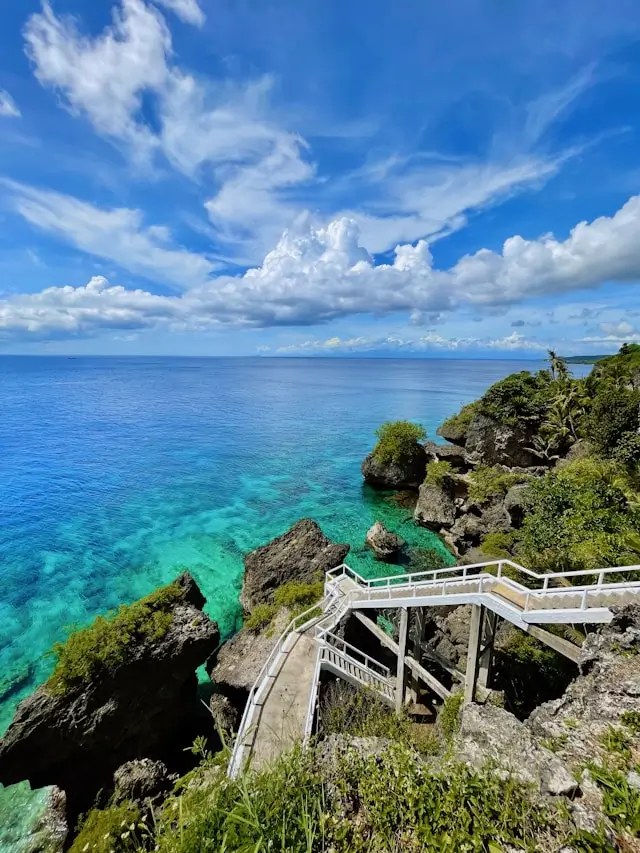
8, 107
187, 10
317, 275
393, 343
117, 235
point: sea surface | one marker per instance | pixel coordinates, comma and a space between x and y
118, 473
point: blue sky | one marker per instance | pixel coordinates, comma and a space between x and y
304, 178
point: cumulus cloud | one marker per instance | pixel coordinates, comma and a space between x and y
393, 343
188, 10
321, 274
8, 107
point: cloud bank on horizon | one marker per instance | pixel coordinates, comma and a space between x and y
190, 177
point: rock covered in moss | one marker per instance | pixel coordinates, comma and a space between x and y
77, 729
385, 545
406, 473
303, 554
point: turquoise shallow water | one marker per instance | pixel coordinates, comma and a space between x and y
117, 473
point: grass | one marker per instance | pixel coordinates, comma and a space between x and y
109, 640
297, 597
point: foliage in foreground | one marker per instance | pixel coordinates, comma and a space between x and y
397, 440
107, 642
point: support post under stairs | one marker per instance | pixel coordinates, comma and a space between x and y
402, 651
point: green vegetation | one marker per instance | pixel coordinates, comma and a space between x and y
449, 716
487, 483
295, 596
577, 517
118, 829
397, 440
438, 472
457, 426
108, 641
519, 399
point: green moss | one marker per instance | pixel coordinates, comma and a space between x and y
118, 829
456, 427
449, 715
487, 483
438, 472
108, 641
397, 440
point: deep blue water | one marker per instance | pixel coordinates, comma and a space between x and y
117, 473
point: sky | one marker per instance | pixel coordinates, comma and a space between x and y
306, 178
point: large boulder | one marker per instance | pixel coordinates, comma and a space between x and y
455, 455
492, 735
407, 474
77, 737
385, 545
301, 554
435, 508
493, 443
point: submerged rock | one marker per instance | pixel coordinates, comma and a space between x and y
385, 545
302, 554
77, 738
407, 474
435, 508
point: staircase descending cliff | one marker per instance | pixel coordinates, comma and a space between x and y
281, 707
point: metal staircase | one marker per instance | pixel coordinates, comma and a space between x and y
514, 592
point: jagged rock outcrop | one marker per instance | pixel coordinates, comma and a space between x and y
76, 739
302, 554
435, 508
492, 443
406, 474
385, 545
455, 455
493, 735
608, 686
142, 780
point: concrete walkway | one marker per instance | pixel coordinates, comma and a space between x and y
284, 703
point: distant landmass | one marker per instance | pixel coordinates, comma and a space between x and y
584, 359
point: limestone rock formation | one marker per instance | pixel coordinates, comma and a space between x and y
385, 545
455, 455
78, 738
407, 474
490, 734
142, 780
302, 554
492, 443
435, 508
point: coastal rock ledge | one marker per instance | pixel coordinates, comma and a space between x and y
76, 739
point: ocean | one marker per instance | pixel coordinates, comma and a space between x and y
118, 473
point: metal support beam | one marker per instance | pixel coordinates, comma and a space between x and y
473, 653
402, 651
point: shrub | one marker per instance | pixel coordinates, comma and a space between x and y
487, 483
438, 472
117, 829
577, 518
397, 440
449, 716
613, 419
107, 642
518, 399
456, 427
260, 617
